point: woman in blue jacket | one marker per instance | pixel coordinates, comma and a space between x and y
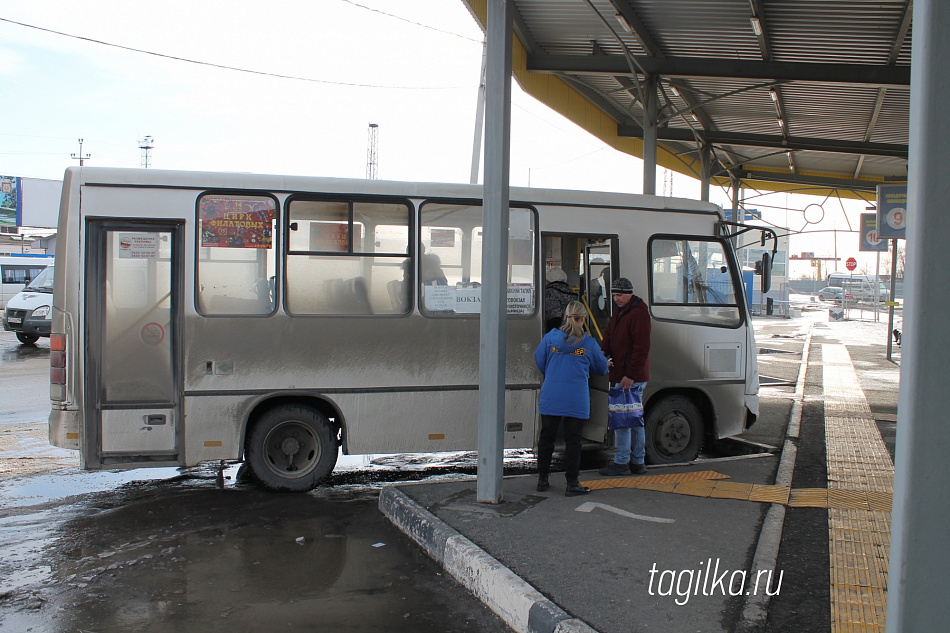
566, 356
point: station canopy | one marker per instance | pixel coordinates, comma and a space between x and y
808, 96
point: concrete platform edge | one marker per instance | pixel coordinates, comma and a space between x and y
521, 606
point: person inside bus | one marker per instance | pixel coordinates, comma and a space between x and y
557, 294
566, 357
627, 343
432, 274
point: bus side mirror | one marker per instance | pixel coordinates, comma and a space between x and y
764, 268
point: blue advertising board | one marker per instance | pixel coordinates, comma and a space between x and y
870, 240
891, 216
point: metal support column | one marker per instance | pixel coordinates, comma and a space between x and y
491, 358
649, 136
893, 298
918, 583
736, 189
706, 163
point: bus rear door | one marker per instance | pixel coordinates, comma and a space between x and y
133, 321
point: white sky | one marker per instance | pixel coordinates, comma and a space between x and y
412, 67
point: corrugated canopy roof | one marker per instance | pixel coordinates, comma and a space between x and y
786, 93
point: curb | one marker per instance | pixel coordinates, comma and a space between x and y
521, 606
755, 609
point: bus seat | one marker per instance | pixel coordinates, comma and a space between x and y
347, 296
357, 296
398, 296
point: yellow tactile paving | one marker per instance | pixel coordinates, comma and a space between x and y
860, 484
700, 488
770, 494
707, 484
808, 498
731, 490
664, 483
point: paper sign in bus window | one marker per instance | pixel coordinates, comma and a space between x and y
138, 245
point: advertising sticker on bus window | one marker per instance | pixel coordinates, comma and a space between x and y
138, 245
236, 222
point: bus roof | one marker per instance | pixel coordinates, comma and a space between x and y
91, 176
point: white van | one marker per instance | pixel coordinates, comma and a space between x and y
860, 287
29, 313
16, 272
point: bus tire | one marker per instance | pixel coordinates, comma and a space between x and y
27, 339
291, 448
674, 430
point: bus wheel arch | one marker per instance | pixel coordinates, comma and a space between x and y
677, 422
291, 444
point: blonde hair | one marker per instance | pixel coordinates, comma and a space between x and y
573, 326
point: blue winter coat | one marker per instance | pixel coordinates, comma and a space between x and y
566, 368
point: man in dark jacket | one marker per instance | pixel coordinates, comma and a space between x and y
627, 343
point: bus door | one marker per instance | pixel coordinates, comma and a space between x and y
598, 274
133, 322
590, 262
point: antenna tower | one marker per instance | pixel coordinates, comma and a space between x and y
372, 167
146, 145
80, 157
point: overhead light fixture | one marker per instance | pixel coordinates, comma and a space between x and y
781, 123
773, 95
675, 91
756, 25
624, 24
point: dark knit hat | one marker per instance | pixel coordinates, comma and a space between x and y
622, 286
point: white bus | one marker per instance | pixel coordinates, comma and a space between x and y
277, 320
16, 272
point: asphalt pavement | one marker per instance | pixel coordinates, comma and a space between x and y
720, 544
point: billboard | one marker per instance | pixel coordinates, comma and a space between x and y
9, 201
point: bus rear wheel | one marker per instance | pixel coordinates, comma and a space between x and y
674, 431
27, 339
291, 448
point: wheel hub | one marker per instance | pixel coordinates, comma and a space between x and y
675, 434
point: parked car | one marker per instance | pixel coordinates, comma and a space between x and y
831, 293
29, 313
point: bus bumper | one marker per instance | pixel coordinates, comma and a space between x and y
64, 429
751, 411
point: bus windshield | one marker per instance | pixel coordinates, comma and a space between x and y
42, 282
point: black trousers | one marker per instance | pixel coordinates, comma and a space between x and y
572, 441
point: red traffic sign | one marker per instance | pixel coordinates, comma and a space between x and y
851, 264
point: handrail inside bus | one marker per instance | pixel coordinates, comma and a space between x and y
591, 319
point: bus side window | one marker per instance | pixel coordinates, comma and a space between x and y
347, 256
236, 265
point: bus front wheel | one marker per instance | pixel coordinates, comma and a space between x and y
291, 448
674, 431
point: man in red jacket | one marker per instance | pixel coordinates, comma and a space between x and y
627, 343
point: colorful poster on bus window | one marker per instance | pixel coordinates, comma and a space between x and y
236, 222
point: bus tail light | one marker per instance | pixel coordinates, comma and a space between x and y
57, 366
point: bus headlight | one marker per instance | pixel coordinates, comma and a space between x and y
42, 311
